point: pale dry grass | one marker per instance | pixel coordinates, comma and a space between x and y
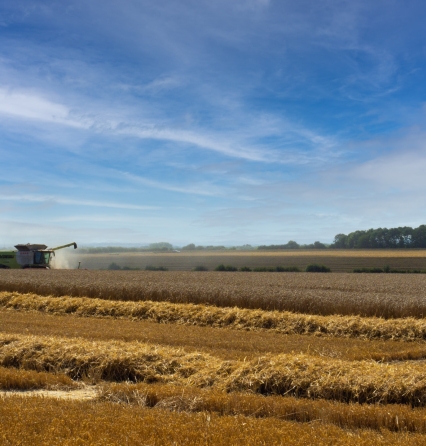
292, 374
386, 295
406, 329
37, 421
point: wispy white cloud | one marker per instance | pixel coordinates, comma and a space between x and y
206, 189
201, 140
25, 105
401, 170
113, 219
32, 106
161, 84
52, 199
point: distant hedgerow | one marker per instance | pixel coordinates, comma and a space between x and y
314, 268
388, 270
368, 270
276, 269
223, 267
200, 268
287, 269
264, 269
155, 268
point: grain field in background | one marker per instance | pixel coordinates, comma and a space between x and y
337, 260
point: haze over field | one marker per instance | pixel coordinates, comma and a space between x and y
251, 121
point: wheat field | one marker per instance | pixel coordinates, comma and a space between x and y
385, 295
212, 358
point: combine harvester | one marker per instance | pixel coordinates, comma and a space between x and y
29, 256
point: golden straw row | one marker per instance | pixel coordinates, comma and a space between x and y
405, 329
297, 375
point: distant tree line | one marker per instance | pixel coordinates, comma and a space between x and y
381, 238
393, 238
193, 247
293, 245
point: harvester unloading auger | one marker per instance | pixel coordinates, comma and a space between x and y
30, 256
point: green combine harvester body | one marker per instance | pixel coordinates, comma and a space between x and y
29, 256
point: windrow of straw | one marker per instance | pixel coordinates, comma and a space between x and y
94, 361
294, 375
189, 399
349, 294
406, 329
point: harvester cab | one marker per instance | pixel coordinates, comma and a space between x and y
29, 256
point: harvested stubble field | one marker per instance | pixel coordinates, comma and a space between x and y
337, 260
78, 423
168, 368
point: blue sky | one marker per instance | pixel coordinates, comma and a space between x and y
251, 121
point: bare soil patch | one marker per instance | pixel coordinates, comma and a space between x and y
86, 393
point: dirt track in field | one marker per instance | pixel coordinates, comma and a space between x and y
87, 393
